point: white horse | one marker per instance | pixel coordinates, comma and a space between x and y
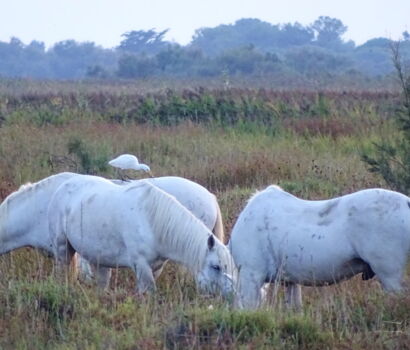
135, 226
196, 198
23, 215
279, 237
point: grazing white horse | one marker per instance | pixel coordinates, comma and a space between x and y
135, 226
196, 198
279, 237
23, 215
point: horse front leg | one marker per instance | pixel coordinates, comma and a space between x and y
293, 295
145, 278
249, 294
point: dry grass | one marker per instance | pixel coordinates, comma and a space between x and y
313, 159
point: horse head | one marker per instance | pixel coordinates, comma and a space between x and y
218, 273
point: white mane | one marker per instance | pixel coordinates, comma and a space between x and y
23, 189
269, 188
176, 227
28, 188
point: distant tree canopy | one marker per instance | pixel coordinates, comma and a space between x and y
262, 35
65, 60
247, 47
143, 41
329, 31
310, 60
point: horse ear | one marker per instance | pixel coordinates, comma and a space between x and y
211, 242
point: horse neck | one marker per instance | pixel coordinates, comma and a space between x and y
23, 216
184, 254
181, 236
184, 242
13, 234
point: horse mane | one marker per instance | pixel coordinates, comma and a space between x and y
270, 187
24, 186
275, 187
176, 227
28, 188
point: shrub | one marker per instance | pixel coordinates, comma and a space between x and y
391, 158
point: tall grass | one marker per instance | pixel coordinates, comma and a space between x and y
312, 150
224, 107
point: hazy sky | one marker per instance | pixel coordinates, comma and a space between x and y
103, 21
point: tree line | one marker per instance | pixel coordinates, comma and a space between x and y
246, 47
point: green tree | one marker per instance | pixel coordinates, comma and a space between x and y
69, 59
264, 36
329, 31
179, 61
373, 57
144, 41
317, 60
97, 71
392, 158
132, 66
247, 60
294, 35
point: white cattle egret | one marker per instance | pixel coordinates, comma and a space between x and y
128, 162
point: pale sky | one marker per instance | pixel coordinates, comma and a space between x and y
103, 21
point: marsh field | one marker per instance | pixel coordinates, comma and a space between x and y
232, 140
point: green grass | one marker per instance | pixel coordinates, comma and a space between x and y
312, 150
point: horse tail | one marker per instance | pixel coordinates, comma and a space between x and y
74, 267
218, 230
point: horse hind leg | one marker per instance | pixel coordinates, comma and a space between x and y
293, 296
158, 267
65, 261
91, 273
390, 272
83, 267
368, 273
62, 249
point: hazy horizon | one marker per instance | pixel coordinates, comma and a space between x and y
103, 22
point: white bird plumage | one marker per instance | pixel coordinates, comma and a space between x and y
128, 161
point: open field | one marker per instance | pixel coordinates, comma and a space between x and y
232, 141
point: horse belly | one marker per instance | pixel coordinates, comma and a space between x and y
314, 275
319, 262
100, 244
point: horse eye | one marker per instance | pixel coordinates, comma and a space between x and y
216, 267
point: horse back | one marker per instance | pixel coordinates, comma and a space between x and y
196, 198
